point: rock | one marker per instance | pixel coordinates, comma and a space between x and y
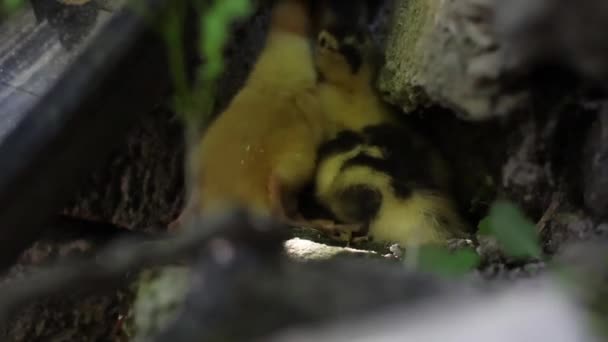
158, 298
306, 250
525, 313
445, 52
555, 32
76, 316
595, 166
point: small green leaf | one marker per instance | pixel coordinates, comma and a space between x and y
441, 261
214, 25
514, 231
484, 228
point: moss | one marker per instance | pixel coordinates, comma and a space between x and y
160, 294
405, 55
445, 53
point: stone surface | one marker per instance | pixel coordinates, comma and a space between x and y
159, 295
306, 250
445, 52
595, 166
77, 316
556, 33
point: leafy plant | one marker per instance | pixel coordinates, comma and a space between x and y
441, 261
516, 234
194, 102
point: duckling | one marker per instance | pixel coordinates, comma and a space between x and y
262, 148
392, 182
347, 63
376, 171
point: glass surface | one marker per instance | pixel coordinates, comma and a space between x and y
37, 44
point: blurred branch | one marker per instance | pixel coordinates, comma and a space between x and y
527, 312
111, 266
244, 296
243, 265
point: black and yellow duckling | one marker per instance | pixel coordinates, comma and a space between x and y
376, 171
391, 181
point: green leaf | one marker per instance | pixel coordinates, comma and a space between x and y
195, 103
514, 231
214, 25
441, 261
484, 228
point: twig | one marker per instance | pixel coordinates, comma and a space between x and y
550, 212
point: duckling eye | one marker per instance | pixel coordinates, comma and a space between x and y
323, 41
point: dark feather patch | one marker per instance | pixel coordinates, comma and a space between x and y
343, 142
352, 50
402, 189
407, 157
361, 202
353, 57
442, 219
309, 206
